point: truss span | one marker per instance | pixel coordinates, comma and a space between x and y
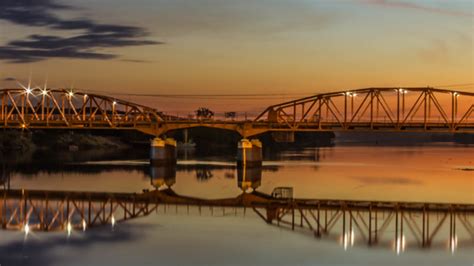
61, 108
371, 109
390, 109
363, 222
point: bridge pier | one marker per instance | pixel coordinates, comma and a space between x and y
249, 178
163, 151
249, 153
161, 175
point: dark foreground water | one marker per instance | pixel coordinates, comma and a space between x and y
175, 236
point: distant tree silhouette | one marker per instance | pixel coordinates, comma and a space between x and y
204, 113
230, 115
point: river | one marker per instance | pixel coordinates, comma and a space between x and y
430, 173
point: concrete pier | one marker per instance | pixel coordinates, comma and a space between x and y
163, 151
249, 178
249, 153
162, 175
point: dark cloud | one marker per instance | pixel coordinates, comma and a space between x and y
135, 61
30, 12
15, 55
41, 251
39, 13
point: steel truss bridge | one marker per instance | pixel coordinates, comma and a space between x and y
397, 225
371, 109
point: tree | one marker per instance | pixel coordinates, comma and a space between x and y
230, 115
204, 113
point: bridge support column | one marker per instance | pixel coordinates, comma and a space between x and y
162, 175
249, 178
163, 151
249, 153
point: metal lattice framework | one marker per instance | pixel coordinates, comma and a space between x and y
383, 109
394, 224
62, 108
393, 109
54, 211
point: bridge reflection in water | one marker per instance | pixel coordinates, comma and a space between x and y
396, 225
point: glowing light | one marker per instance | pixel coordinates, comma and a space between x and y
23, 126
85, 96
400, 245
352, 238
114, 103
26, 229
28, 91
44, 92
453, 243
344, 241
112, 221
348, 239
84, 225
69, 228
71, 94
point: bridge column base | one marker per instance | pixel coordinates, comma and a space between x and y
249, 178
163, 151
162, 175
249, 153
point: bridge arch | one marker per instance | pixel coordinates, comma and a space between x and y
415, 109
64, 108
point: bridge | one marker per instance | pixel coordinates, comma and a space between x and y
390, 224
418, 109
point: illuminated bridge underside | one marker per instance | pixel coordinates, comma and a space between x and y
383, 223
371, 109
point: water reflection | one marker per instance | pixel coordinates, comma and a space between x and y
162, 175
387, 224
203, 173
40, 251
337, 174
4, 176
249, 178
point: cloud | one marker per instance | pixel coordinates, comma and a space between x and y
411, 5
9, 79
94, 36
44, 251
30, 12
136, 61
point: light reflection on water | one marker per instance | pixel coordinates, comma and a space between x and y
424, 174
419, 174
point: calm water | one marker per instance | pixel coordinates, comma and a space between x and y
439, 173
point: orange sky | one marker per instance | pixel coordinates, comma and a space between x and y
258, 47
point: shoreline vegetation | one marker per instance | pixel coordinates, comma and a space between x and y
206, 140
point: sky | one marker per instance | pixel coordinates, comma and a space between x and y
283, 49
